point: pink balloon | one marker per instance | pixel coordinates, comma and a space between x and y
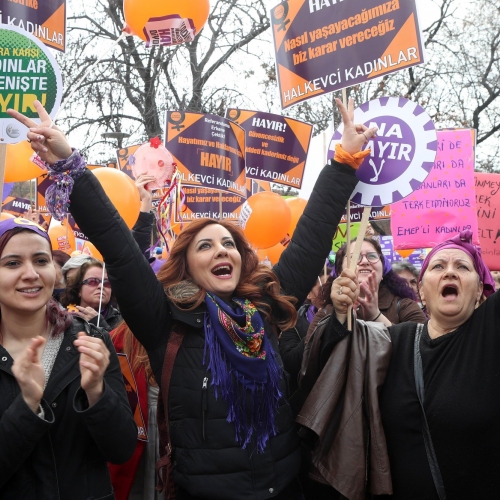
153, 158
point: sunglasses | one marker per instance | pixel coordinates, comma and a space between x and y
371, 257
96, 282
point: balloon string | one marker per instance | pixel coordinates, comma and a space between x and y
100, 295
77, 86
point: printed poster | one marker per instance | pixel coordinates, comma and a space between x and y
209, 151
326, 45
276, 146
45, 19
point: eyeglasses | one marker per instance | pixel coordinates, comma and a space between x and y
371, 257
96, 282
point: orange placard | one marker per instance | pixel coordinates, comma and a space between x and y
133, 396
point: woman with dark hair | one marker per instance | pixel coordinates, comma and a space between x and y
88, 290
384, 296
63, 408
232, 433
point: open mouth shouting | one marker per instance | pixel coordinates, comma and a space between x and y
223, 271
449, 291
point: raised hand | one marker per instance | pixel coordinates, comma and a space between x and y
344, 293
354, 135
146, 197
369, 300
94, 359
28, 370
46, 140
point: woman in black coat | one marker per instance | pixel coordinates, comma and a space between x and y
63, 408
231, 427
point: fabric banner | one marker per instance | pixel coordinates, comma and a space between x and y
45, 19
444, 204
488, 217
276, 146
209, 150
326, 45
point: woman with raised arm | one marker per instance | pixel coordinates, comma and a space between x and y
231, 430
434, 387
64, 411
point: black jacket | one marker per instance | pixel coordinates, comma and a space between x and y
64, 456
208, 461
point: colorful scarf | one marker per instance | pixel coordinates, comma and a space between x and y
244, 368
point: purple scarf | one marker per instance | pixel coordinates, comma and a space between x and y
244, 369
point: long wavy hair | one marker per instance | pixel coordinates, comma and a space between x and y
257, 282
396, 285
59, 319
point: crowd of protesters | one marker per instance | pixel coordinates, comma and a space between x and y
294, 382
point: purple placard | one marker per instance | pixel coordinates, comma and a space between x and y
45, 19
276, 146
209, 151
402, 153
203, 202
325, 45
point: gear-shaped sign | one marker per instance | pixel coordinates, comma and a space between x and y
402, 153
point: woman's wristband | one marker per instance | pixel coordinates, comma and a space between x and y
378, 316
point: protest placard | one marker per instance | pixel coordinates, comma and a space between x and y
16, 206
28, 71
488, 217
42, 184
326, 45
444, 204
376, 213
402, 153
276, 146
133, 396
45, 19
203, 202
209, 150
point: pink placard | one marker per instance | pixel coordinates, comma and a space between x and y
445, 203
488, 218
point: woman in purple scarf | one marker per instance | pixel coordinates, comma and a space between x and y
231, 427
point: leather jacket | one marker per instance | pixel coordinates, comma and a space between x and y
342, 410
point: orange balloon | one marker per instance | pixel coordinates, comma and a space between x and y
265, 218
122, 192
272, 254
62, 238
90, 249
18, 166
5, 216
297, 206
405, 253
139, 12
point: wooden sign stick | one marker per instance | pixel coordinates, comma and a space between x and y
3, 156
357, 249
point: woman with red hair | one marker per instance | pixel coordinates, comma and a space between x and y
232, 433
